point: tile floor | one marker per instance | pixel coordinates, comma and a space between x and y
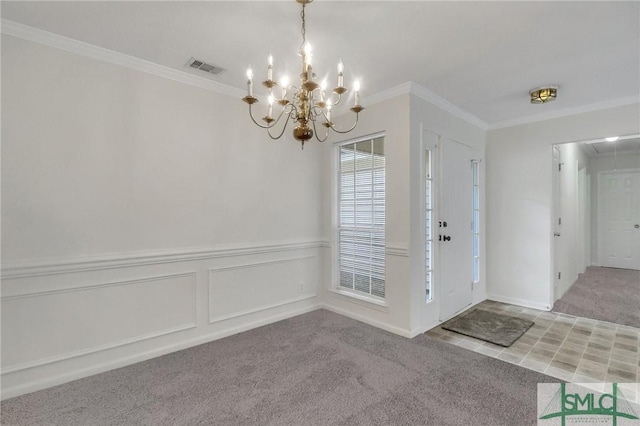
573, 349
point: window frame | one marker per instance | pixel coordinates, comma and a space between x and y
337, 226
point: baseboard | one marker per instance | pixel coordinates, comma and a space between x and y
143, 356
375, 323
519, 302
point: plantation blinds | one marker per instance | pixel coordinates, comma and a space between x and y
361, 210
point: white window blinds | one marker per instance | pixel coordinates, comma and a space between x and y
361, 222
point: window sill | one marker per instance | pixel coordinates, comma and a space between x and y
360, 299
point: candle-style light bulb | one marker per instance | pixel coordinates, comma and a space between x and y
270, 68
340, 73
284, 83
356, 88
250, 81
328, 112
323, 87
307, 59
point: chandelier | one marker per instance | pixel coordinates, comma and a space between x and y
305, 104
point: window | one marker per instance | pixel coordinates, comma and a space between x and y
476, 220
428, 226
361, 221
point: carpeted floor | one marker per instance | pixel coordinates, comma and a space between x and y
605, 294
315, 369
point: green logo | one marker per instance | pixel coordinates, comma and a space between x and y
585, 403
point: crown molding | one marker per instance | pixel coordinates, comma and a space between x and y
46, 38
437, 100
415, 89
565, 112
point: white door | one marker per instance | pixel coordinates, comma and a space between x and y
619, 220
454, 227
557, 222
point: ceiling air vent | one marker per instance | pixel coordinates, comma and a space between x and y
203, 66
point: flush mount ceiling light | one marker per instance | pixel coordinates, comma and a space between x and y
542, 95
612, 138
306, 103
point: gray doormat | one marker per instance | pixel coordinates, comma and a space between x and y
500, 329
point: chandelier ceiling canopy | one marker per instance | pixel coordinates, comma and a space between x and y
305, 104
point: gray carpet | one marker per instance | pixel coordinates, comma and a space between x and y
491, 327
315, 369
605, 294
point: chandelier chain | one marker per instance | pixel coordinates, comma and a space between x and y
304, 28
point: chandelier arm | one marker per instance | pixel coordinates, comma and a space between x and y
286, 123
315, 132
254, 120
268, 126
330, 101
345, 131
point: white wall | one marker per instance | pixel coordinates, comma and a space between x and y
597, 166
392, 118
569, 250
140, 215
519, 199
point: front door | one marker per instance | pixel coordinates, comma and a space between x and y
455, 235
619, 220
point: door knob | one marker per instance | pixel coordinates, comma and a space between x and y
446, 238
556, 234
636, 226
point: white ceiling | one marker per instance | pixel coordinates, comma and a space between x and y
483, 57
623, 146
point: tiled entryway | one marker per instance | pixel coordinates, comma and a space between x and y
577, 350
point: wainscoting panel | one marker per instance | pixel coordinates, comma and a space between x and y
248, 288
64, 319
52, 326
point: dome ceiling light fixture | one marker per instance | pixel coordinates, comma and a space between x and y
543, 95
306, 103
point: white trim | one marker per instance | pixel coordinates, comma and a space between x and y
63, 357
426, 95
46, 38
378, 324
259, 308
361, 299
519, 302
565, 112
360, 139
139, 357
39, 267
95, 286
437, 100
106, 346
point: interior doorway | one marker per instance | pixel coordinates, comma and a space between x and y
596, 206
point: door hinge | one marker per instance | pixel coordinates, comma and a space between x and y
559, 275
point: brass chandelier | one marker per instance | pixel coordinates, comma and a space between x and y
306, 104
